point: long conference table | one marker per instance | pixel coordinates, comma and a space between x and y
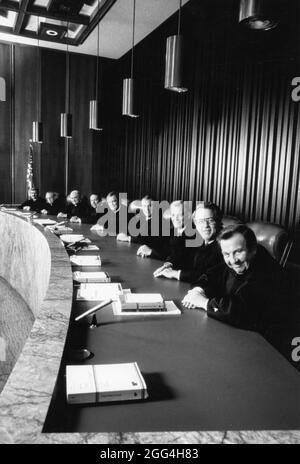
200, 374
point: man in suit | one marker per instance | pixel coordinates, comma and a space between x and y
113, 215
208, 221
35, 203
247, 290
75, 208
179, 255
93, 214
53, 204
146, 229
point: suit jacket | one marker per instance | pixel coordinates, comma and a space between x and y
55, 208
179, 254
201, 259
152, 235
80, 210
253, 300
114, 222
36, 205
92, 216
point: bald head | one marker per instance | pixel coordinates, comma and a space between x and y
74, 197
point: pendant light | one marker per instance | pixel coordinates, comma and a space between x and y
37, 126
66, 118
129, 102
174, 58
94, 104
257, 14
2, 90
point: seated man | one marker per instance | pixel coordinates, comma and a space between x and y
75, 208
208, 220
93, 214
247, 289
114, 217
53, 204
179, 255
35, 203
150, 236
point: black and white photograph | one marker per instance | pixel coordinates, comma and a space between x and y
150, 224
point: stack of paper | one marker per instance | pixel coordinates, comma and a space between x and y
87, 248
170, 309
45, 222
100, 291
8, 208
105, 383
142, 302
80, 276
59, 230
85, 260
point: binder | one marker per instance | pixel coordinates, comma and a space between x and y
102, 383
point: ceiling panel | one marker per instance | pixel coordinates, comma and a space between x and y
81, 20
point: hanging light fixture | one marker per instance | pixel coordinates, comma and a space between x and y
174, 58
66, 118
2, 89
129, 102
37, 126
94, 104
257, 14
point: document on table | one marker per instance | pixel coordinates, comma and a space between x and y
170, 310
99, 291
85, 260
45, 222
80, 276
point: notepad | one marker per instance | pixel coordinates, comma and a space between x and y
105, 383
81, 276
85, 260
99, 291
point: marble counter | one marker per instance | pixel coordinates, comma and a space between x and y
26, 396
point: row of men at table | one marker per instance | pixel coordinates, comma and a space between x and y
233, 279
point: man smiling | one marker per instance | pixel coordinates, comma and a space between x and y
247, 290
208, 221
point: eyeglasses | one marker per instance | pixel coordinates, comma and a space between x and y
209, 221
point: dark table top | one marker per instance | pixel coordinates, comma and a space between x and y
201, 374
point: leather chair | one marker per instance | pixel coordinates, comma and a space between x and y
230, 220
274, 238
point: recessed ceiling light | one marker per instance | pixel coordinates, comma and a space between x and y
52, 33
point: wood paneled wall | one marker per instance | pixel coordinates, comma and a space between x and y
19, 66
6, 161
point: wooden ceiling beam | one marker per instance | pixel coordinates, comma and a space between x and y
32, 35
21, 16
95, 19
9, 5
76, 19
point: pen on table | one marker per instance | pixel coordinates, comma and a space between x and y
94, 309
74, 243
